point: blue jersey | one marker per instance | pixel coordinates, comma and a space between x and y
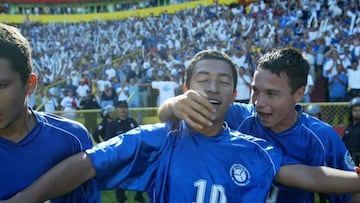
52, 140
185, 166
309, 141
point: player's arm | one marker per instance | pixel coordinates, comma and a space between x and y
61, 179
191, 106
319, 179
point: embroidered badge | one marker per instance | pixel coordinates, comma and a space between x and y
239, 174
348, 160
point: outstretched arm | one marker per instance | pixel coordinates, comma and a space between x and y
61, 179
319, 179
192, 107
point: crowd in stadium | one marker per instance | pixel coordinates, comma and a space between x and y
140, 62
159, 47
58, 9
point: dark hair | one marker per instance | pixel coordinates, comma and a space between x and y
286, 61
209, 54
15, 48
121, 103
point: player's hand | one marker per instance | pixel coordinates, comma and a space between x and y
194, 108
357, 169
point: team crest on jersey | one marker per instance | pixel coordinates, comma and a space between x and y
239, 174
348, 160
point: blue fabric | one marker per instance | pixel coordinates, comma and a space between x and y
184, 166
52, 140
310, 141
336, 88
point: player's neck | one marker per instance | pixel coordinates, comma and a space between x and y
17, 129
287, 123
213, 130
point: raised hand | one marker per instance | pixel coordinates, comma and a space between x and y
193, 107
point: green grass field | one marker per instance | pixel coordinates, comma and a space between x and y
109, 197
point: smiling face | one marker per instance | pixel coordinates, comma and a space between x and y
278, 84
274, 100
214, 78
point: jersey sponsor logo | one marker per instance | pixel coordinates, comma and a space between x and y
348, 160
239, 174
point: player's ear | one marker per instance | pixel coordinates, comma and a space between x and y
299, 94
31, 84
234, 94
184, 88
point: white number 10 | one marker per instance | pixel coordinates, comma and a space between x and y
217, 194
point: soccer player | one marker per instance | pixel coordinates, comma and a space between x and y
278, 84
175, 163
32, 142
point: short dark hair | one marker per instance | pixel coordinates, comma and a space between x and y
287, 61
209, 54
121, 103
15, 48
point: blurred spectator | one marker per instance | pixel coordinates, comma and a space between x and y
108, 97
69, 104
144, 89
329, 68
122, 91
338, 85
352, 133
166, 88
243, 85
354, 79
83, 89
154, 92
134, 98
100, 130
314, 110
87, 103
50, 102
309, 88
337, 93
110, 72
48, 77
4, 8
103, 82
239, 58
309, 55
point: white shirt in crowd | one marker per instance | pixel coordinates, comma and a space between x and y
166, 89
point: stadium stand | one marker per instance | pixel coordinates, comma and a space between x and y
141, 38
107, 42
